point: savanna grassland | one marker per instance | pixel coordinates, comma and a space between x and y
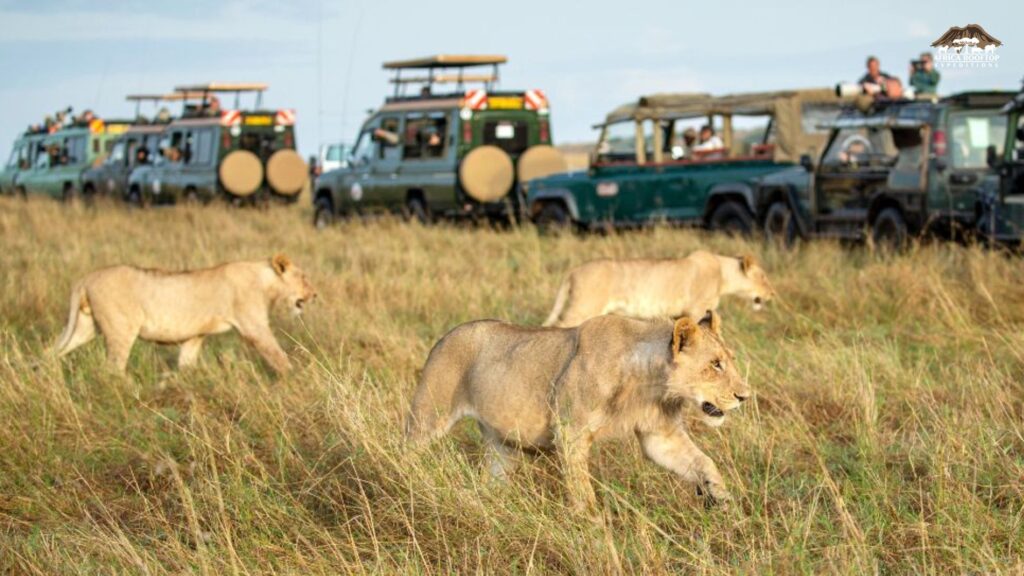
886, 433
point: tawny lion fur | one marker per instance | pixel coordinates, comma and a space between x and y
667, 288
565, 388
125, 303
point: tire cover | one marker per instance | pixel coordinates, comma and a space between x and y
241, 173
540, 161
287, 172
487, 174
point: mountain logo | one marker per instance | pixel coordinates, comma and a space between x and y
968, 46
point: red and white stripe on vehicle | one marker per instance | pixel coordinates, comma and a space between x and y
535, 100
230, 117
475, 100
285, 117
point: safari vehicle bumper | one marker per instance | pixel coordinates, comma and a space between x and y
1001, 221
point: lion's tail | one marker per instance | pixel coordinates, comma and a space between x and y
80, 327
561, 300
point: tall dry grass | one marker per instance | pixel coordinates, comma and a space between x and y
886, 434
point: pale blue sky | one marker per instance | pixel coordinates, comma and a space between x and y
323, 57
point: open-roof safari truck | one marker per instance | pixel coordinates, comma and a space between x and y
446, 143
139, 145
891, 170
52, 162
1001, 196
646, 168
240, 155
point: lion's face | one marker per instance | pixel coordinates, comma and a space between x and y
704, 371
295, 287
755, 285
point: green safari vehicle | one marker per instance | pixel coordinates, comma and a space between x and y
1001, 196
53, 164
23, 156
138, 146
647, 169
891, 170
240, 155
439, 152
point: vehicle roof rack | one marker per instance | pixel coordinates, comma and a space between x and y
205, 90
458, 62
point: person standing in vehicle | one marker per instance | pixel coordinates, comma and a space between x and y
709, 140
924, 78
873, 81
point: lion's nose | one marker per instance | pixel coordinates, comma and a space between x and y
741, 397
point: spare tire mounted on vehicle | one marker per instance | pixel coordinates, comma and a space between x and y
487, 174
241, 173
286, 172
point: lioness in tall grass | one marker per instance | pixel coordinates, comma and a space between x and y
565, 388
126, 303
657, 288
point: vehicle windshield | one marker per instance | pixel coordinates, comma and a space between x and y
15, 156
861, 146
618, 143
116, 153
335, 153
971, 133
363, 150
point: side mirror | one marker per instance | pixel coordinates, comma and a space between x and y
991, 158
940, 165
807, 162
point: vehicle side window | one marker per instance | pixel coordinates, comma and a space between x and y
971, 133
117, 152
426, 136
73, 150
363, 151
188, 149
618, 143
172, 152
43, 159
203, 148
388, 139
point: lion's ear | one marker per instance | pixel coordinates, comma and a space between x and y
685, 333
280, 263
746, 263
712, 321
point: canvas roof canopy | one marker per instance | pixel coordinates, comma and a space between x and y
223, 87
447, 61
785, 106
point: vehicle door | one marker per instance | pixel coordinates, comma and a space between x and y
616, 174
429, 157
970, 134
855, 166
33, 180
167, 177
388, 190
114, 174
1012, 168
199, 171
16, 162
357, 184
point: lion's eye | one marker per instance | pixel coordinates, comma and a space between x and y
717, 365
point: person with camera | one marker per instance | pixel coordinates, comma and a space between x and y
924, 78
874, 81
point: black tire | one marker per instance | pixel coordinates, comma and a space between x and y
732, 218
780, 225
70, 194
134, 198
191, 197
416, 209
323, 213
20, 192
889, 230
553, 218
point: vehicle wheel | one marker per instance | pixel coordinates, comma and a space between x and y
70, 194
779, 225
889, 230
89, 194
191, 197
21, 192
135, 199
416, 209
553, 218
323, 214
732, 218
